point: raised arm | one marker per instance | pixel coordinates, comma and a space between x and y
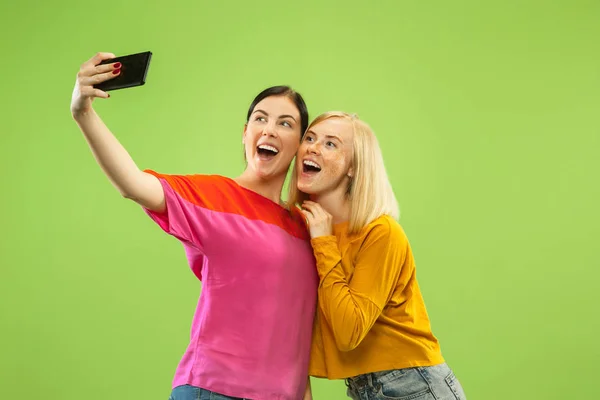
115, 161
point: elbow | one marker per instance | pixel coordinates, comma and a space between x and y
346, 344
129, 196
126, 195
128, 191
349, 334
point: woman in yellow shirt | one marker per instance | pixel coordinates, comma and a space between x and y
371, 327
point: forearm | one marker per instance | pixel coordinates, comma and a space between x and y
349, 314
117, 164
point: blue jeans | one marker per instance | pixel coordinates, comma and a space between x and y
187, 392
420, 383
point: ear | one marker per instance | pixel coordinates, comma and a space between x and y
244, 134
350, 173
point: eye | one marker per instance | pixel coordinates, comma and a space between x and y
308, 139
286, 124
331, 144
260, 118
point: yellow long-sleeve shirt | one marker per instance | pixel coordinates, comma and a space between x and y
371, 315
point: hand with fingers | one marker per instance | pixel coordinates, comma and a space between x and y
320, 222
90, 74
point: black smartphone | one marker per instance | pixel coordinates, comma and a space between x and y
134, 68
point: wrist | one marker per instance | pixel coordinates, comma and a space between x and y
81, 115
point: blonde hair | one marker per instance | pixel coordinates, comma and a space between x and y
369, 192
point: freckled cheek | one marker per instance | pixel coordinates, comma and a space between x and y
331, 173
335, 166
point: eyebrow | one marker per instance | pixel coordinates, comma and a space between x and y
281, 116
327, 136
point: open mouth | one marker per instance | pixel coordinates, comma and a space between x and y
310, 167
266, 152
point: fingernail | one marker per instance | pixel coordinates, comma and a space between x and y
117, 65
116, 71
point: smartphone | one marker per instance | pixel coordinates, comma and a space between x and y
134, 68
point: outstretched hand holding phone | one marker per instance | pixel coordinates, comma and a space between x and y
105, 72
92, 73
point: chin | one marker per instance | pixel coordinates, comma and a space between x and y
267, 173
306, 188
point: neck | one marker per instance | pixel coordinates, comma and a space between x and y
267, 187
335, 203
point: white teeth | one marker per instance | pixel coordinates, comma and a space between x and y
267, 147
312, 164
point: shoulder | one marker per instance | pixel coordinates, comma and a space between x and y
385, 225
384, 231
200, 189
193, 179
385, 239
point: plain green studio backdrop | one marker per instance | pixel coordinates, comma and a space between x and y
488, 116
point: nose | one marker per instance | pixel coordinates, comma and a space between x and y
313, 148
270, 130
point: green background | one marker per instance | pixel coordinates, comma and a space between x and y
488, 115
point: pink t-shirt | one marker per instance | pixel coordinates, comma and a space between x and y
252, 328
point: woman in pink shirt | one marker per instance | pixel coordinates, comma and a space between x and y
251, 331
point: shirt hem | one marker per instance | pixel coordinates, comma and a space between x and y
225, 391
376, 368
